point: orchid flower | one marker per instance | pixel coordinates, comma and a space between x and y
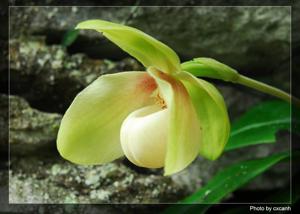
161, 117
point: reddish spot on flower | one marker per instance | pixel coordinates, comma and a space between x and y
147, 84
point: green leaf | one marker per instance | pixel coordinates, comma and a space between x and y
232, 178
212, 114
260, 124
149, 51
207, 67
69, 37
227, 181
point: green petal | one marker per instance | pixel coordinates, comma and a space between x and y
184, 128
149, 51
212, 114
90, 129
207, 67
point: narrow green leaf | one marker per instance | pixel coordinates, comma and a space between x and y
149, 51
232, 178
69, 37
227, 181
260, 124
281, 196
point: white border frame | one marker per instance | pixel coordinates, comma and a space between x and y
242, 203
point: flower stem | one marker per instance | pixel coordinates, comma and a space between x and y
243, 80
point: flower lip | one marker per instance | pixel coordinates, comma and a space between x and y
144, 136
